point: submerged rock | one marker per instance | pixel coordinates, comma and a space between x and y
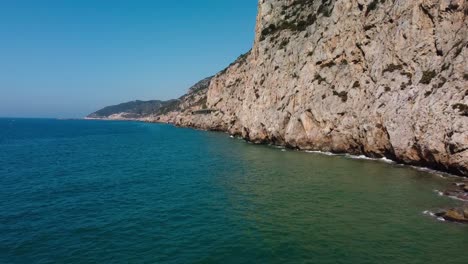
460, 191
459, 214
463, 196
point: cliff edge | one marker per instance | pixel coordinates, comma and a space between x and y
381, 78
378, 77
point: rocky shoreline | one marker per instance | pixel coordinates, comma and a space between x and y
431, 169
458, 191
381, 79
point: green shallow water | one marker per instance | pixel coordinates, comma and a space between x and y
121, 192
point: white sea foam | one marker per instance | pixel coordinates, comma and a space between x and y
386, 160
322, 152
360, 157
428, 213
434, 215
440, 174
450, 196
278, 147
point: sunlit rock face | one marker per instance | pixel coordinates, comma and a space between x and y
376, 77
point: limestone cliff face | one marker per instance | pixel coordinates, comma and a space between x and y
374, 77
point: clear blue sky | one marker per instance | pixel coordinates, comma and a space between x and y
67, 58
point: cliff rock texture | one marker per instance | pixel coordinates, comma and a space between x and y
376, 77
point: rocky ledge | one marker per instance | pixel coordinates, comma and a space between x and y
459, 215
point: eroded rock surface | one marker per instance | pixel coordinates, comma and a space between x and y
381, 78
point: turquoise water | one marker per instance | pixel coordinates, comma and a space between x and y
76, 191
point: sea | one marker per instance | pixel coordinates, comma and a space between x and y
88, 191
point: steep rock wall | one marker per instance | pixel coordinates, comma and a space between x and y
378, 77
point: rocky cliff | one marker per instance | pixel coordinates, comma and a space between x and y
381, 78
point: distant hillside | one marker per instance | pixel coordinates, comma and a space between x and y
130, 110
148, 110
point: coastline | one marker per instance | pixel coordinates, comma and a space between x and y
441, 173
158, 180
455, 183
431, 168
455, 215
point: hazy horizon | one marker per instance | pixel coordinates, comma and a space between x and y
66, 59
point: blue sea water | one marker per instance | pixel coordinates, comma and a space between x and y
76, 191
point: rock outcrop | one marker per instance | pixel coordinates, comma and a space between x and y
459, 215
374, 77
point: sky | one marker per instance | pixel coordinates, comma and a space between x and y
68, 58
